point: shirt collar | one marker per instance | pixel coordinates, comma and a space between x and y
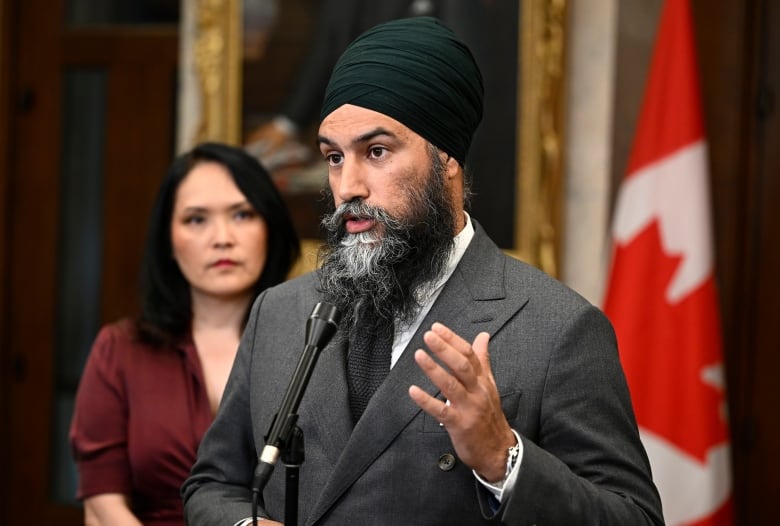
460, 244
427, 298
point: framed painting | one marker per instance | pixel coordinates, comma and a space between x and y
242, 58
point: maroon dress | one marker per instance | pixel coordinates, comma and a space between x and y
139, 416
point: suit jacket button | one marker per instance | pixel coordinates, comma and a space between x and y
446, 462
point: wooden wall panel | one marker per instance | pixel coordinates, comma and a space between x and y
138, 152
6, 57
30, 250
756, 304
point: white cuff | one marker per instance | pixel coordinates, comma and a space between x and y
504, 486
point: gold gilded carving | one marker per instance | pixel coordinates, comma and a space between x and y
540, 132
217, 61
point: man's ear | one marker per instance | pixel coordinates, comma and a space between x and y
454, 168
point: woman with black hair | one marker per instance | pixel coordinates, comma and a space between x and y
219, 234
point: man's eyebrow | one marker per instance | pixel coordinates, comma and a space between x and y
360, 138
373, 134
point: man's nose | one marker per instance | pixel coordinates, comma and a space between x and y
351, 182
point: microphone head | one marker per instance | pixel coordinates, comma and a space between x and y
322, 324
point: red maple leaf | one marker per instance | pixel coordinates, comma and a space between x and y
667, 349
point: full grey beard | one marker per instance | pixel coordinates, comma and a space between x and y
392, 267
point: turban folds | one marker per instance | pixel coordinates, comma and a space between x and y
416, 71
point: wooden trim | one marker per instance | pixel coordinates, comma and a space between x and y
99, 46
540, 133
33, 204
217, 56
5, 224
5, 164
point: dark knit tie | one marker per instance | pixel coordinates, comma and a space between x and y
368, 360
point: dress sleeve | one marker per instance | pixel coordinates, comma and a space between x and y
98, 433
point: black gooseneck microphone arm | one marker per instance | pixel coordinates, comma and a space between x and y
320, 328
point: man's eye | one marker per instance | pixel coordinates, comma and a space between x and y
334, 159
377, 151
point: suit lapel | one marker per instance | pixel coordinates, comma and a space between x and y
325, 403
473, 300
329, 399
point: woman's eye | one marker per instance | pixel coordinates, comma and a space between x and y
245, 214
194, 220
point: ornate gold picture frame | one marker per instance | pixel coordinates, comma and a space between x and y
210, 107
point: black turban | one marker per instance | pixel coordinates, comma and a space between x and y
416, 71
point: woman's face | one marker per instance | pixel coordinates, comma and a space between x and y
219, 241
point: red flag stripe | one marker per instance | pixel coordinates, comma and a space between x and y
671, 113
661, 294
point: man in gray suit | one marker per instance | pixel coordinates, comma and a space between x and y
408, 418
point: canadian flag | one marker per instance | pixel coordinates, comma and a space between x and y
661, 295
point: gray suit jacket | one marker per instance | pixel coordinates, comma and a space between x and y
562, 388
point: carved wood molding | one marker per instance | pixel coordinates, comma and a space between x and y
217, 57
540, 132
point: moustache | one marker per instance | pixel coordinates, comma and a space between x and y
356, 209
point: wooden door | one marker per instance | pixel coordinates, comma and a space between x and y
91, 132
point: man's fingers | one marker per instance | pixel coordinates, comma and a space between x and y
448, 384
433, 406
452, 339
480, 347
456, 353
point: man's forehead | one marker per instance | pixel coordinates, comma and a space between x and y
356, 124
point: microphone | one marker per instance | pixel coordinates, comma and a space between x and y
320, 328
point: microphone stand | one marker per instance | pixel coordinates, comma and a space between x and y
320, 328
292, 458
